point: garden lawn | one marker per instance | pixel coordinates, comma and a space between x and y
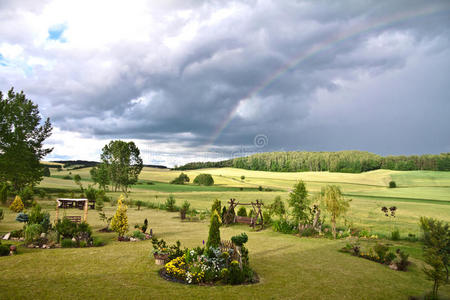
289, 267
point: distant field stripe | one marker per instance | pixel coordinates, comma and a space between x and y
386, 198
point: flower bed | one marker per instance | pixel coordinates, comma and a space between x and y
227, 264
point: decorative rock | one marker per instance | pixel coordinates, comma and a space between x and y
43, 235
44, 247
6, 236
36, 247
21, 239
30, 246
74, 240
133, 240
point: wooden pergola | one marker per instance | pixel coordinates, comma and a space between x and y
72, 203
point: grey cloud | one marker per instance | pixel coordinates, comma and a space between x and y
193, 88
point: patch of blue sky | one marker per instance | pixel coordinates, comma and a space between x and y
2, 61
55, 33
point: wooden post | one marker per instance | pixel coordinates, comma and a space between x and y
57, 211
85, 210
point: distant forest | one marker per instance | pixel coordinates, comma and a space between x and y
342, 161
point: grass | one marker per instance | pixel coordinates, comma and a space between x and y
289, 267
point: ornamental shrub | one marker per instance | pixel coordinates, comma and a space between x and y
381, 250
97, 242
17, 205
217, 205
1, 214
240, 239
242, 212
4, 250
32, 232
66, 228
68, 243
204, 179
138, 235
22, 217
119, 222
38, 217
214, 231
236, 276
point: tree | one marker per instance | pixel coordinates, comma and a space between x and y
46, 172
204, 179
277, 208
123, 162
299, 202
21, 140
1, 214
119, 221
181, 179
335, 203
242, 177
77, 179
436, 240
17, 205
100, 176
214, 231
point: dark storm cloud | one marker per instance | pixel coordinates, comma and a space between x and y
179, 80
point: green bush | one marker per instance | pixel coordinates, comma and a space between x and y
3, 193
217, 205
32, 232
17, 233
395, 235
2, 215
240, 239
36, 216
242, 212
170, 203
68, 243
260, 188
392, 184
389, 258
98, 242
67, 177
284, 226
181, 179
214, 231
83, 244
138, 235
236, 276
26, 194
381, 250
4, 250
204, 179
402, 261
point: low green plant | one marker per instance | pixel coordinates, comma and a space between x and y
32, 232
17, 233
381, 250
242, 212
98, 242
2, 215
138, 235
83, 244
68, 243
402, 261
284, 226
4, 250
236, 276
392, 184
240, 239
395, 235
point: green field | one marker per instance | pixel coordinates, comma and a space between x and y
289, 267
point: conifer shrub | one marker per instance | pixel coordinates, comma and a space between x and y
214, 231
242, 212
217, 205
119, 222
17, 205
170, 203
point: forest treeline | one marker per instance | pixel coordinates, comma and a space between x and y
342, 161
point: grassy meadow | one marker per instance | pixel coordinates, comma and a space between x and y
289, 267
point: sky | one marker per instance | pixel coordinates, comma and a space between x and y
210, 80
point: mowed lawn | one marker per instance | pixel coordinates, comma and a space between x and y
289, 267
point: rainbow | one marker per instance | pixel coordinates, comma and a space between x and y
320, 47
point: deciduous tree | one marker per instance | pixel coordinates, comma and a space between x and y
332, 198
21, 140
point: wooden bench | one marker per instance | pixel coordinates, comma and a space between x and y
245, 220
75, 219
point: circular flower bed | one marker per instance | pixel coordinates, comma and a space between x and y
210, 266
